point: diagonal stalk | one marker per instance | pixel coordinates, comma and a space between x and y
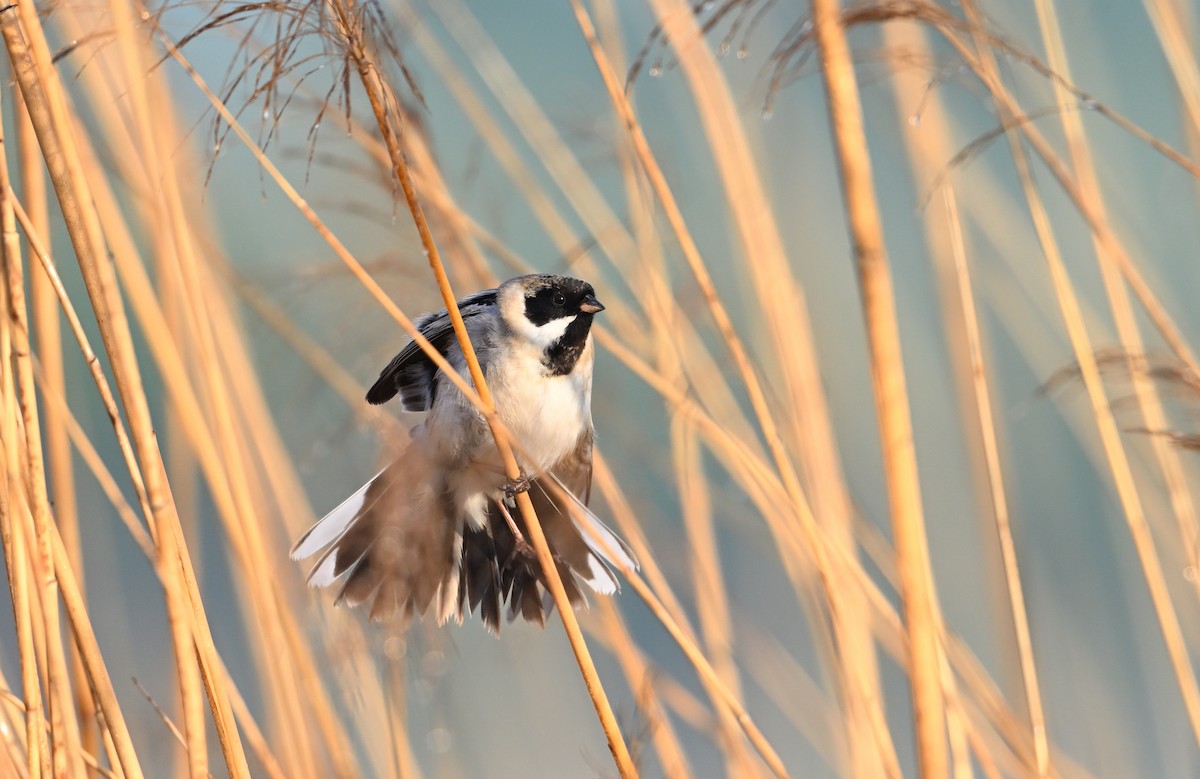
376, 95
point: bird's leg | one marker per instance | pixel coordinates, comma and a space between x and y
514, 487
520, 544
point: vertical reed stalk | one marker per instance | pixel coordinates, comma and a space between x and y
47, 109
16, 563
186, 671
1008, 552
707, 582
47, 331
891, 396
65, 729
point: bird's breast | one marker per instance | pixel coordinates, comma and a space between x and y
546, 414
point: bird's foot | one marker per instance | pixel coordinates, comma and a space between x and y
514, 487
524, 549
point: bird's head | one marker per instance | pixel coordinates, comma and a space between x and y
548, 311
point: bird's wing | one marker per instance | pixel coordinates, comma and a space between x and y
411, 373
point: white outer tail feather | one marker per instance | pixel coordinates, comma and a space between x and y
331, 526
597, 535
605, 547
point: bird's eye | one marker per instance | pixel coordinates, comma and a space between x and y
559, 300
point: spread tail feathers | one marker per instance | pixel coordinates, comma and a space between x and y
399, 543
496, 569
392, 543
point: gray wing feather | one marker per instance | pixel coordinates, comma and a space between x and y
411, 373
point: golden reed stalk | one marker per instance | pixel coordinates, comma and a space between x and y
891, 396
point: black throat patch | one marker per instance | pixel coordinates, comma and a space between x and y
563, 354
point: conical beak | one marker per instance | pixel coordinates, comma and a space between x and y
590, 305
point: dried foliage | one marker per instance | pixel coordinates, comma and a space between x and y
207, 455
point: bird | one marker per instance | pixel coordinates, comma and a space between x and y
437, 529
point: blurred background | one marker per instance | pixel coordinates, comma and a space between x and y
1034, 166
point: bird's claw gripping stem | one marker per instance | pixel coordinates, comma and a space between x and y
515, 487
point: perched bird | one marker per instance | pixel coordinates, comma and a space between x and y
438, 527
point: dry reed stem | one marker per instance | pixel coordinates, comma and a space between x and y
1008, 552
709, 675
405, 766
957, 727
47, 108
376, 95
1149, 403
856, 681
708, 584
678, 629
783, 305
107, 483
276, 471
77, 615
64, 733
887, 371
605, 482
1007, 106
277, 668
1127, 328
58, 446
797, 695
190, 695
253, 558
1070, 310
89, 355
927, 148
1114, 451
638, 671
234, 436
89, 650
254, 736
95, 463
12, 711
17, 565
211, 455
620, 752
1173, 36
568, 174
12, 717
690, 251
